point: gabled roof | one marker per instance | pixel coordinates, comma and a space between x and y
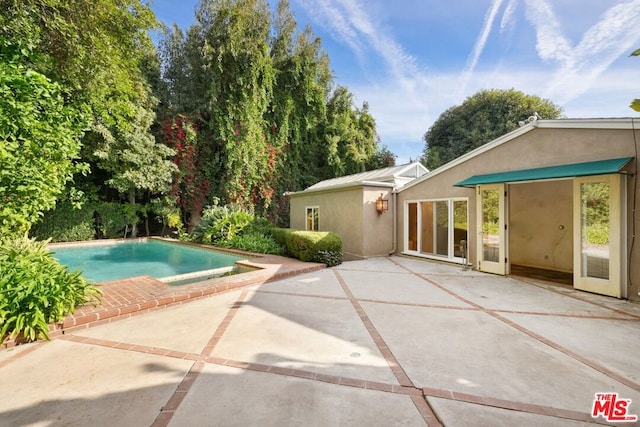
604, 123
392, 177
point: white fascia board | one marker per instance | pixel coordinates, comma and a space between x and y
592, 123
344, 186
471, 154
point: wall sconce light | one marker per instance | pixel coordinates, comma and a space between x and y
382, 205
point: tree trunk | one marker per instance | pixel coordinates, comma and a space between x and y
146, 224
195, 216
134, 226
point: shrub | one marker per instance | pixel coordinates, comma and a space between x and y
113, 218
167, 213
66, 224
220, 224
314, 246
36, 290
228, 227
255, 242
598, 234
280, 236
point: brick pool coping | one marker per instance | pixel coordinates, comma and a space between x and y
128, 297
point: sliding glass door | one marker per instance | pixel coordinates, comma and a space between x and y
435, 228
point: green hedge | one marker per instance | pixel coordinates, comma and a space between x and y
112, 218
314, 246
66, 224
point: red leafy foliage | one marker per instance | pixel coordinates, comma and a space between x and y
189, 185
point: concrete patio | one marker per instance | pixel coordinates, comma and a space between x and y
386, 341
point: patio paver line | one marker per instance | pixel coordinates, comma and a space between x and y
449, 307
554, 345
124, 298
23, 353
294, 294
530, 408
576, 297
250, 366
222, 327
420, 402
168, 410
362, 270
572, 316
413, 392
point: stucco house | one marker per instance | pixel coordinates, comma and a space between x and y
553, 196
347, 206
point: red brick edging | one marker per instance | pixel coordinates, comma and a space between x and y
125, 298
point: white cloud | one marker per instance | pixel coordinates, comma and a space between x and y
578, 67
508, 16
402, 125
406, 99
355, 26
481, 41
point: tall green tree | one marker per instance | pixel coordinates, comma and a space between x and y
299, 104
236, 34
97, 52
260, 94
349, 135
135, 161
39, 139
481, 118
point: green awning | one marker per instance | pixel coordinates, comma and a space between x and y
600, 167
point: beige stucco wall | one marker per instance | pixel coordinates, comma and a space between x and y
541, 225
378, 235
340, 211
351, 213
538, 148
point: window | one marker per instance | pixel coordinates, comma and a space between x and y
435, 228
312, 218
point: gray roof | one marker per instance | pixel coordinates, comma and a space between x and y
393, 176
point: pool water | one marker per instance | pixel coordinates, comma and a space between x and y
158, 259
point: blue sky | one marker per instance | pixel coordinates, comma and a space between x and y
413, 59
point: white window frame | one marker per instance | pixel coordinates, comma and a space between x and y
315, 224
451, 225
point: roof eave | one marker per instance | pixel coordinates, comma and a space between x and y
482, 149
344, 186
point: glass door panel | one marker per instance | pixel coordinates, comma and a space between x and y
442, 228
412, 227
490, 225
594, 229
597, 237
434, 236
461, 227
428, 230
491, 244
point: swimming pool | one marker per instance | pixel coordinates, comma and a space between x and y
170, 262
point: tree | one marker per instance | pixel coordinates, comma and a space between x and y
133, 158
635, 103
259, 95
479, 119
236, 34
99, 55
39, 140
190, 186
382, 158
349, 135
